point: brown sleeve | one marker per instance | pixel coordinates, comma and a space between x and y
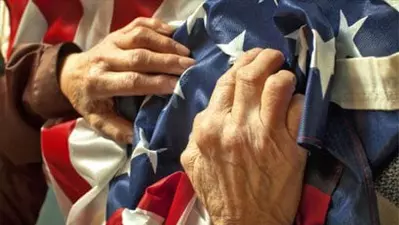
29, 95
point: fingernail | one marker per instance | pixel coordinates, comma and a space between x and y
182, 50
186, 62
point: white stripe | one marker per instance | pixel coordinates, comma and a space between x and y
4, 28
93, 156
95, 23
96, 159
368, 83
90, 208
194, 214
32, 27
140, 217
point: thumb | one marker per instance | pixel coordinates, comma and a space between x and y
294, 115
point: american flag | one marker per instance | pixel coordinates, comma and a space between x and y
345, 54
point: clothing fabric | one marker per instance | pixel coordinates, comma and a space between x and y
22, 192
29, 95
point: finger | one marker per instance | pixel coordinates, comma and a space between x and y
145, 61
142, 37
294, 115
276, 97
152, 23
112, 125
131, 83
250, 80
223, 94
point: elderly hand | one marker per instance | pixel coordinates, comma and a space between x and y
138, 59
242, 158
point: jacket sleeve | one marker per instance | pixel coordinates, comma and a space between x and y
29, 95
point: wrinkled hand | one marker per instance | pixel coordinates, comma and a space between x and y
242, 157
138, 59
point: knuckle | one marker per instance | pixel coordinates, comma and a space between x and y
138, 57
169, 59
132, 78
111, 37
96, 123
138, 32
275, 55
139, 20
154, 22
231, 138
118, 136
141, 37
245, 75
97, 58
206, 130
186, 159
91, 83
249, 53
167, 42
225, 80
281, 81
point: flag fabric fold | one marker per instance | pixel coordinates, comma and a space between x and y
345, 57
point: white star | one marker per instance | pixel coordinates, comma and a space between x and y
178, 91
235, 48
142, 148
301, 47
345, 39
198, 14
323, 58
393, 3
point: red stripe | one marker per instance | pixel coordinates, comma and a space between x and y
313, 207
16, 10
116, 218
55, 149
127, 10
63, 19
159, 197
184, 194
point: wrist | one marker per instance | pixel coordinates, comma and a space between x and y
69, 66
66, 62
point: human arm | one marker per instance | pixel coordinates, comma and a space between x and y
44, 82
